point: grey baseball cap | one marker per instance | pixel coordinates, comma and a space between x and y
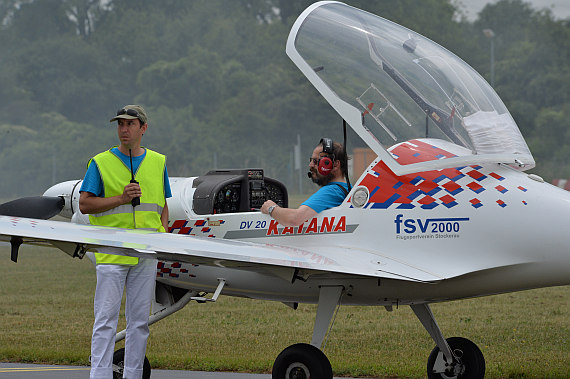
130, 112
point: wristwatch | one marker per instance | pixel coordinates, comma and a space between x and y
270, 209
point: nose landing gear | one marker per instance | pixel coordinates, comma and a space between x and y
119, 365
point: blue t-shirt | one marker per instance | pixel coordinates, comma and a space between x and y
327, 197
93, 183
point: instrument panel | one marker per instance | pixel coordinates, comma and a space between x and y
228, 198
241, 190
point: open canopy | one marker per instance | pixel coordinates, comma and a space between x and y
392, 84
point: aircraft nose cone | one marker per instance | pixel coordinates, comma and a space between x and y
67, 190
61, 189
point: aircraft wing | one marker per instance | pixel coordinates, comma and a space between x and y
76, 239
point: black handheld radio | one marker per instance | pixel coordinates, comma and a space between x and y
136, 200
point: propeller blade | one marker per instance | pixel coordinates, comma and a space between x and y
40, 207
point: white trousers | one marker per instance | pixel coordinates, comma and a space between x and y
139, 281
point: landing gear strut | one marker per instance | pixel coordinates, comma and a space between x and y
304, 361
455, 357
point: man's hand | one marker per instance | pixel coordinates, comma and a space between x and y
131, 191
266, 205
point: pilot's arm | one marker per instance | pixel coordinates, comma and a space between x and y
288, 216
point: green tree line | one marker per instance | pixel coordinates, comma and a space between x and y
218, 87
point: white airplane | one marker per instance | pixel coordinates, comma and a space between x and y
445, 213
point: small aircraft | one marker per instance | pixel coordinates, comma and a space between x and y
444, 212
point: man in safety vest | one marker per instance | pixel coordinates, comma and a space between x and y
125, 186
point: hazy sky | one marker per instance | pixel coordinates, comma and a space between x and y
560, 8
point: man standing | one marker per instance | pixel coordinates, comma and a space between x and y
328, 166
126, 187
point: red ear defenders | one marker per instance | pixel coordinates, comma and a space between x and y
326, 163
325, 166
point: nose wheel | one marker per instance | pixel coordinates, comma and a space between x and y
119, 365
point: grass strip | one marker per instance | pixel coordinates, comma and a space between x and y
46, 317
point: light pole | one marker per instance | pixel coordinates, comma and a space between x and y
491, 35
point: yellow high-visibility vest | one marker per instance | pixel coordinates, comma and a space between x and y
115, 176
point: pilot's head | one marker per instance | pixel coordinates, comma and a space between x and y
328, 162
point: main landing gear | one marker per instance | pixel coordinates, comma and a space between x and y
468, 361
302, 361
455, 357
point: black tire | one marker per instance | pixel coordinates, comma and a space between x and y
302, 361
119, 360
469, 360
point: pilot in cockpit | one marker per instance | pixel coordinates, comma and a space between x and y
328, 167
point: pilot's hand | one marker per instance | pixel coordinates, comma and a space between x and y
131, 191
266, 205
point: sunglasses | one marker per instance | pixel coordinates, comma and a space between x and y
314, 160
130, 112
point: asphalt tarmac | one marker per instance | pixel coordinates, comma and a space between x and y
29, 371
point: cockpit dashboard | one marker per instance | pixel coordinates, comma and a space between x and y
239, 190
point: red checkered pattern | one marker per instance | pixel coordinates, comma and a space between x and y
427, 190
